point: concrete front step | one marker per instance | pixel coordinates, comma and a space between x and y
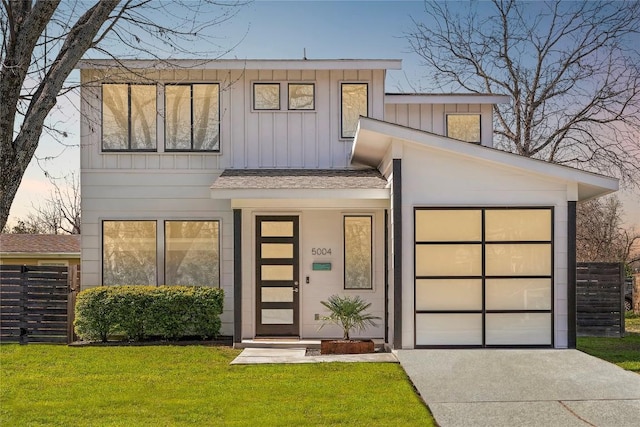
288, 343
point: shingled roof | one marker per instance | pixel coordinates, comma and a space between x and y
39, 243
299, 179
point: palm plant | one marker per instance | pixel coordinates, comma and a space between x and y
348, 313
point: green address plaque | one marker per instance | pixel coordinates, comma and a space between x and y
321, 266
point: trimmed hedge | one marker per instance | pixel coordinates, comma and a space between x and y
141, 312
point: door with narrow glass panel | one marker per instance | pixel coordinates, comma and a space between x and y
277, 275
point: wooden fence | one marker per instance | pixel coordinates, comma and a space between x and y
600, 299
37, 303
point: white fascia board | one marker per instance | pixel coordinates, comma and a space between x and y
241, 64
376, 134
471, 98
306, 193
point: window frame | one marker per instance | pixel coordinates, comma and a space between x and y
253, 94
190, 150
313, 96
344, 251
103, 221
342, 84
165, 239
446, 126
128, 149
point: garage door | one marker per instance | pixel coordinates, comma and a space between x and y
483, 277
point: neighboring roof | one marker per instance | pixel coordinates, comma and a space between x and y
245, 64
25, 244
305, 183
374, 137
445, 98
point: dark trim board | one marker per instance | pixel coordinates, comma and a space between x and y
571, 275
237, 275
396, 204
386, 276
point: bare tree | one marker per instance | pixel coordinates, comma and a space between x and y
42, 41
571, 70
600, 235
58, 214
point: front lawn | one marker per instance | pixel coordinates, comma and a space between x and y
624, 352
178, 385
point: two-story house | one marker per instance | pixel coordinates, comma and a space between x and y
287, 181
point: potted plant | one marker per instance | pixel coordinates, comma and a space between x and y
349, 313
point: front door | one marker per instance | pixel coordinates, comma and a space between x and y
277, 275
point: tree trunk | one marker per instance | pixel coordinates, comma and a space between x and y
636, 294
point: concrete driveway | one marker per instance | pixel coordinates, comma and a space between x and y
523, 388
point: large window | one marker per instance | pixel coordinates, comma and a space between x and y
266, 96
192, 117
357, 252
483, 276
354, 103
192, 253
129, 253
128, 117
465, 127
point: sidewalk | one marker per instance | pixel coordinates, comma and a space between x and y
254, 356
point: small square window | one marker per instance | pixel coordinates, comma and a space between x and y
266, 96
301, 96
465, 127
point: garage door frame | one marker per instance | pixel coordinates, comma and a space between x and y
484, 277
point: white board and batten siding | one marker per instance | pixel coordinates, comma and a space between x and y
175, 186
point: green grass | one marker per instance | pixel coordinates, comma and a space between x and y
47, 385
624, 352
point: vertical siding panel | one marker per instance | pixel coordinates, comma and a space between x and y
376, 86
295, 139
265, 139
414, 116
390, 113
425, 118
438, 119
403, 114
326, 128
281, 143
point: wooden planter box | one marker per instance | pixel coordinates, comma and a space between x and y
346, 347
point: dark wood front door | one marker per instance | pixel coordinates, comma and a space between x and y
277, 276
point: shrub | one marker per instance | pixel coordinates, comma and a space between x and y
95, 314
140, 312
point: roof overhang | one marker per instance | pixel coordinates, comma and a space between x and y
243, 64
374, 139
296, 184
445, 98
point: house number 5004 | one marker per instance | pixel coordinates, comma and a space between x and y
320, 251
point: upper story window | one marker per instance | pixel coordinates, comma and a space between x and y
301, 96
192, 117
465, 127
128, 117
354, 103
266, 96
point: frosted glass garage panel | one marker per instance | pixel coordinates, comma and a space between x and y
277, 229
518, 294
280, 294
518, 224
518, 328
448, 225
276, 250
277, 272
518, 260
448, 329
448, 260
273, 316
449, 294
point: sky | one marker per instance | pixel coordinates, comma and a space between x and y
273, 30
